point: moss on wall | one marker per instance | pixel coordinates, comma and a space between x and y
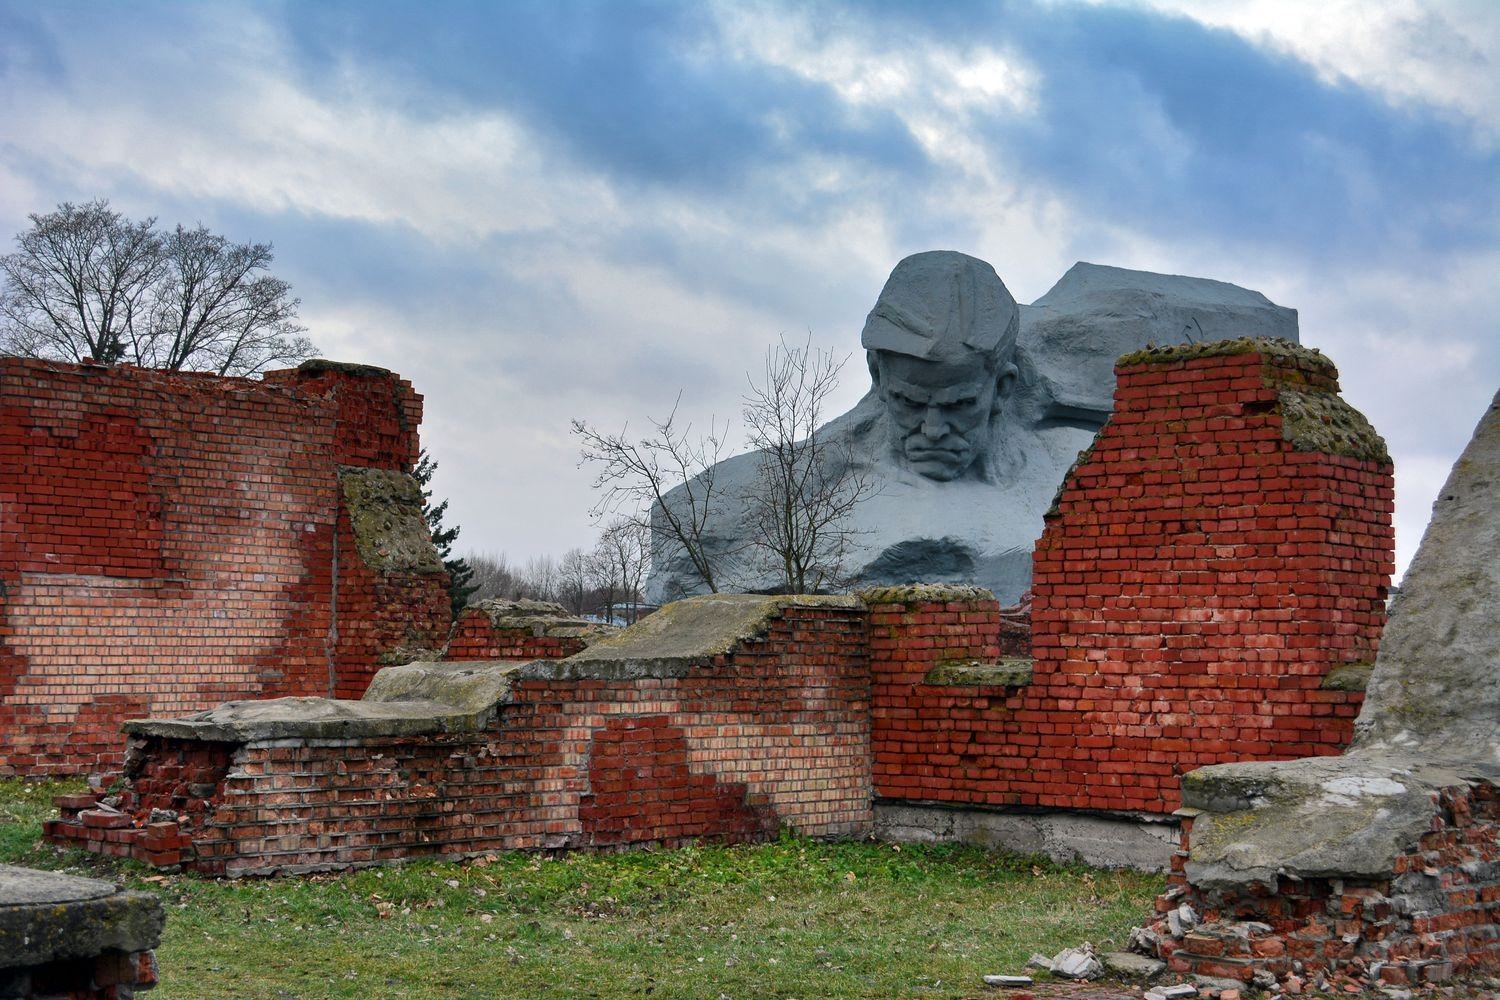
343, 367
924, 593
1348, 677
1322, 422
385, 511
1271, 348
1014, 672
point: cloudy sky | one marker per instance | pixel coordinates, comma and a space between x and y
539, 211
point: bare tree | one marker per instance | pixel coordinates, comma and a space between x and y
604, 580
574, 576
85, 282
79, 285
541, 578
636, 476
215, 309
806, 482
494, 576
621, 556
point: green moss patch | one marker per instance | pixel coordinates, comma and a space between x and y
1271, 348
924, 593
958, 673
316, 365
1348, 677
1322, 422
385, 511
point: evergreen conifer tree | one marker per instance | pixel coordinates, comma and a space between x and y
459, 571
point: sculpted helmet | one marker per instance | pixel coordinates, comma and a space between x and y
943, 304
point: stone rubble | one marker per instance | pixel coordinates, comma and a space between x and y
1008, 980
1077, 963
1127, 963
1177, 992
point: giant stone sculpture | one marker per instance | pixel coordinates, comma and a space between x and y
977, 407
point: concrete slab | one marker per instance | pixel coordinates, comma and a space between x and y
684, 632
311, 718
47, 917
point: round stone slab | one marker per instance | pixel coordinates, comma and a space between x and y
27, 887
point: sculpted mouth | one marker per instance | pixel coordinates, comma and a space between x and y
933, 454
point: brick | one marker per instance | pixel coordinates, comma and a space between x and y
168, 545
1188, 596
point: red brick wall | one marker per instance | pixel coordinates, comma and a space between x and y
642, 789
167, 544
475, 637
1197, 581
775, 732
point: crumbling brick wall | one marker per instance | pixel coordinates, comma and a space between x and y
1433, 917
1213, 562
519, 630
174, 540
1224, 545
773, 732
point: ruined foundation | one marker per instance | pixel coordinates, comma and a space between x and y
1213, 572
725, 720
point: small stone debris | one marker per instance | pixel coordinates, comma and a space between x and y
1175, 992
1144, 941
1077, 963
1039, 962
1007, 980
1128, 963
1217, 986
1182, 920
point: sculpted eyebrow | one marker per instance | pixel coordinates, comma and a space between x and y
940, 397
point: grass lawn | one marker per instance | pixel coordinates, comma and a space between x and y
795, 918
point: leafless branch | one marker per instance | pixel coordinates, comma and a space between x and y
635, 476
85, 282
806, 483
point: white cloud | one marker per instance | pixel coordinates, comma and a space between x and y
266, 145
1439, 52
932, 89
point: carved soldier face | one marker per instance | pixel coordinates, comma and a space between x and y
940, 410
940, 340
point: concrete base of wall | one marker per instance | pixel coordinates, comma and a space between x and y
1135, 841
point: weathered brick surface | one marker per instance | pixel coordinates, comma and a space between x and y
1436, 916
475, 637
168, 543
774, 732
1198, 579
641, 788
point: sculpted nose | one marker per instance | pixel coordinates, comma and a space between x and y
934, 424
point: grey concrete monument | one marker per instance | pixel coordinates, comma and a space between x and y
977, 408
